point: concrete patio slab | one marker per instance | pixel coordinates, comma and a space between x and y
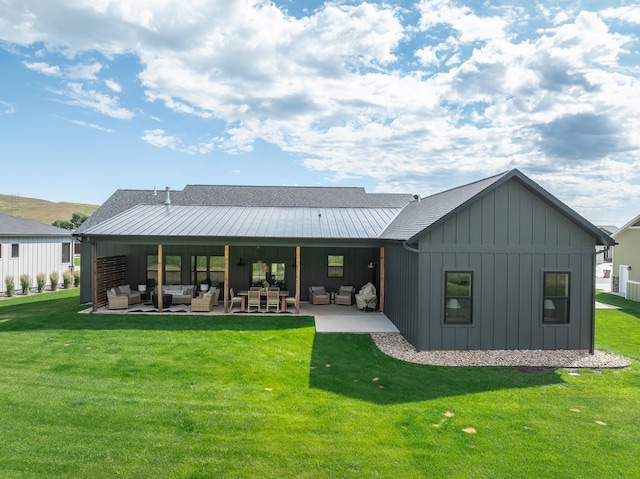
356, 323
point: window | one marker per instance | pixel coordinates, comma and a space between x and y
335, 266
15, 250
273, 273
152, 267
458, 299
555, 304
66, 252
172, 269
211, 267
259, 273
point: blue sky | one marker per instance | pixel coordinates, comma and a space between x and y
395, 96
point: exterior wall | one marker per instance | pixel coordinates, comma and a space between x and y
36, 255
626, 252
507, 239
313, 260
402, 290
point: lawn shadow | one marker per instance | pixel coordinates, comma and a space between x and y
351, 365
632, 308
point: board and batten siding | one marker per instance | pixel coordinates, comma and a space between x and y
507, 238
36, 255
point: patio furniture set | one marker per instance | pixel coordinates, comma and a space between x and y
366, 299
122, 297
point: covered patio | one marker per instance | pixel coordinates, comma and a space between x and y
329, 318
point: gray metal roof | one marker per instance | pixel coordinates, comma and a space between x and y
267, 196
14, 226
419, 215
247, 222
298, 212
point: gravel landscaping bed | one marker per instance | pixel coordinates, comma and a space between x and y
394, 345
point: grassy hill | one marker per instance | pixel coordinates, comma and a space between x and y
42, 210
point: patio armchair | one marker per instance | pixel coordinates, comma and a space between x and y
345, 295
117, 301
318, 295
206, 302
367, 297
133, 296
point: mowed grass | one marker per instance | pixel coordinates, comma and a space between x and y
179, 396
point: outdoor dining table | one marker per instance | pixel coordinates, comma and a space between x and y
263, 294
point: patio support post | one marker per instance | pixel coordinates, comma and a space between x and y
160, 278
94, 250
226, 278
297, 279
382, 279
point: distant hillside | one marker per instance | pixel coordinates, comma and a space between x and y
42, 210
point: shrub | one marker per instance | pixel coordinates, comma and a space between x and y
76, 278
67, 279
53, 279
8, 281
25, 282
41, 280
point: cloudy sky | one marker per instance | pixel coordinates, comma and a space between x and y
417, 97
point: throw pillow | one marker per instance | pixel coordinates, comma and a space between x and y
124, 289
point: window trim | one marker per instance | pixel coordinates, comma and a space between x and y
446, 298
17, 248
567, 298
68, 251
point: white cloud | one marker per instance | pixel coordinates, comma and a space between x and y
113, 85
93, 126
160, 139
6, 108
44, 68
82, 71
94, 100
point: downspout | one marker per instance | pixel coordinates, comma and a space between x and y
592, 345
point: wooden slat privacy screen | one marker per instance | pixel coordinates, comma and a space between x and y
109, 274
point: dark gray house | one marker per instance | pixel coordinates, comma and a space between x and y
496, 264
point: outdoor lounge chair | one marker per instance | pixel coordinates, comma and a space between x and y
206, 302
133, 296
345, 295
234, 299
318, 295
117, 301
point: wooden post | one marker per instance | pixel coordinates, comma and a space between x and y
160, 279
226, 278
382, 279
297, 279
95, 276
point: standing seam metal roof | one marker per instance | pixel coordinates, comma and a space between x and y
247, 222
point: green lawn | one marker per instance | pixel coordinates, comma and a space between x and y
135, 396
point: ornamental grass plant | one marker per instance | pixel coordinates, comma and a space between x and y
54, 277
25, 283
186, 396
41, 281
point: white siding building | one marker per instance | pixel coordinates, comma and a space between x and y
29, 247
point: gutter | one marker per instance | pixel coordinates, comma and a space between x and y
406, 246
592, 345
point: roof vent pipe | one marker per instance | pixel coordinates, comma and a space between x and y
155, 192
417, 198
167, 199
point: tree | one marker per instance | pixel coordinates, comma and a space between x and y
76, 220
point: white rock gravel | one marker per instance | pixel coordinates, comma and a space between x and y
394, 345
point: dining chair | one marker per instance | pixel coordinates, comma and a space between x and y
253, 300
234, 299
273, 300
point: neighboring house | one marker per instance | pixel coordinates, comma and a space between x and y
496, 264
607, 255
29, 247
625, 276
